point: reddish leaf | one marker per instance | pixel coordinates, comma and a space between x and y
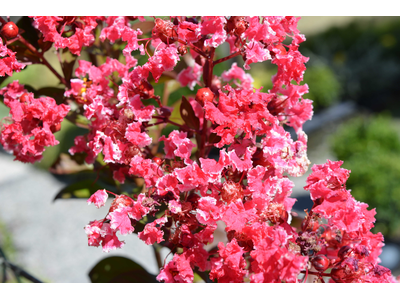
188, 115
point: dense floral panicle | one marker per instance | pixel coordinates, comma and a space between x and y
152, 233
241, 79
255, 52
246, 190
177, 270
215, 27
177, 144
285, 155
326, 179
230, 266
8, 61
116, 128
119, 28
347, 236
240, 111
53, 28
274, 260
33, 123
190, 76
163, 60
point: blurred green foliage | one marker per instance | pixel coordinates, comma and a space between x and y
370, 148
365, 58
324, 87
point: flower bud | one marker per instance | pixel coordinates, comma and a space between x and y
338, 274
9, 30
204, 95
55, 128
344, 252
24, 98
320, 263
158, 161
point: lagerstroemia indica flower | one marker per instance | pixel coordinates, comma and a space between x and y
185, 193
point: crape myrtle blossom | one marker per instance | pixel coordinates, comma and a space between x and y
8, 61
54, 27
32, 123
184, 192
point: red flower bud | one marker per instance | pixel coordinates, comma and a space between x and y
338, 274
9, 30
320, 263
204, 95
55, 128
24, 98
158, 161
344, 252
182, 50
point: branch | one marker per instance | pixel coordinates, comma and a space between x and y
218, 61
44, 61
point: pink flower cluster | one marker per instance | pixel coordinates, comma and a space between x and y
186, 194
8, 61
32, 123
80, 27
246, 188
346, 239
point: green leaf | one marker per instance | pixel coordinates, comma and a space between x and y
56, 93
30, 33
118, 269
80, 189
188, 115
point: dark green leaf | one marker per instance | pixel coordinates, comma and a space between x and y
187, 114
29, 88
30, 33
118, 269
68, 67
80, 189
56, 93
3, 78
